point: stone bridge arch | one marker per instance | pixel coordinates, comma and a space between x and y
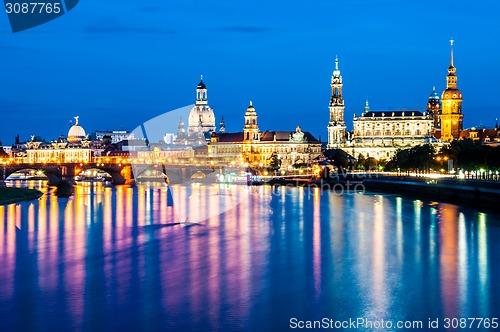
52, 173
119, 174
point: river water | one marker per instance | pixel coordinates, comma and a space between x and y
117, 258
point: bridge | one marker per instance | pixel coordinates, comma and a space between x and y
119, 172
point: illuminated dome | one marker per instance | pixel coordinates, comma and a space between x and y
76, 133
434, 95
452, 93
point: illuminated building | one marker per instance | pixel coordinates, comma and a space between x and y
336, 126
379, 134
451, 99
59, 152
75, 149
257, 148
486, 136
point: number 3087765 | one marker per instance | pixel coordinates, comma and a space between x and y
33, 8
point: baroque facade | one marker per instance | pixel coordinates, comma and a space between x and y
257, 148
77, 148
379, 134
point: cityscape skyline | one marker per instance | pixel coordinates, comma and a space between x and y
252, 68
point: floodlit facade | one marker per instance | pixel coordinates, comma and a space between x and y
257, 148
451, 99
379, 134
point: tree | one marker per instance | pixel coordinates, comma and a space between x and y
340, 159
274, 162
361, 162
420, 157
370, 164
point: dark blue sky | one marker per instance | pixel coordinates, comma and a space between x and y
119, 63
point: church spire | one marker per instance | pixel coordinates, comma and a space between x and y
367, 107
336, 72
451, 53
451, 80
222, 126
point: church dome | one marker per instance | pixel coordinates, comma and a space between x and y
451, 93
76, 133
434, 94
201, 85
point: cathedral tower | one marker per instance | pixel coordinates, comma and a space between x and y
251, 128
451, 99
336, 126
201, 118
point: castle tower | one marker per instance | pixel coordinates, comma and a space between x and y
451, 99
201, 113
434, 108
251, 128
336, 126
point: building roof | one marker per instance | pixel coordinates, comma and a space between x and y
267, 136
230, 137
389, 114
480, 134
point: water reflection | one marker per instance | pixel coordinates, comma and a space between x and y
117, 257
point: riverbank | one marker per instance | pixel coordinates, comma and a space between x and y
472, 193
14, 195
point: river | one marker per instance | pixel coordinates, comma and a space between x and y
201, 257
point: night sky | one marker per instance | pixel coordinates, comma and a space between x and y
117, 64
